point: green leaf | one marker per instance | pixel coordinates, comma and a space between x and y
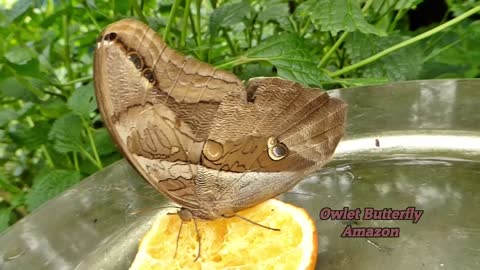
272, 10
292, 57
49, 184
11, 87
121, 6
461, 6
404, 64
261, 69
454, 53
31, 137
9, 187
19, 55
67, 133
7, 115
227, 15
407, 4
4, 218
82, 101
54, 108
20, 7
29, 69
103, 142
339, 15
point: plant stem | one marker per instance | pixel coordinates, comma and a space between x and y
340, 40
332, 49
48, 158
98, 162
186, 12
138, 10
92, 159
239, 61
7, 197
171, 17
229, 42
75, 161
9, 187
432, 55
198, 29
293, 23
304, 29
92, 18
66, 37
198, 16
397, 17
407, 42
79, 80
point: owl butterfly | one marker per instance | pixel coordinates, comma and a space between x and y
199, 135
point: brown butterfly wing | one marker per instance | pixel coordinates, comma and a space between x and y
197, 135
241, 173
158, 105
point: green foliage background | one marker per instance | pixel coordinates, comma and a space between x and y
51, 135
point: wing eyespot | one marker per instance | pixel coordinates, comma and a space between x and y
136, 60
110, 36
276, 149
213, 150
148, 74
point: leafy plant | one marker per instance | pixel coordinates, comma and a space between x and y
51, 135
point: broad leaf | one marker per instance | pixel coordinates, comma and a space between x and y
292, 57
383, 7
19, 55
338, 15
20, 7
103, 142
67, 133
404, 64
272, 10
83, 101
121, 6
49, 184
4, 218
11, 87
454, 53
54, 108
261, 69
31, 137
227, 15
6, 115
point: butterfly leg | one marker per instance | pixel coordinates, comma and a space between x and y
178, 238
186, 215
198, 240
251, 221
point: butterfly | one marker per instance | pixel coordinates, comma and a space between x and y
199, 135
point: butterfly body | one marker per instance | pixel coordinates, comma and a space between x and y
199, 135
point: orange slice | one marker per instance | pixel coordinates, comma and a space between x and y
233, 243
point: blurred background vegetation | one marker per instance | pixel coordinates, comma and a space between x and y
51, 135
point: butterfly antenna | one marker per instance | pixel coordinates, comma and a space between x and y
198, 240
178, 237
253, 222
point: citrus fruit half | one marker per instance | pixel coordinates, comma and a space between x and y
233, 243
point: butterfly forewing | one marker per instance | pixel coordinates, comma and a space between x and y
157, 105
198, 134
